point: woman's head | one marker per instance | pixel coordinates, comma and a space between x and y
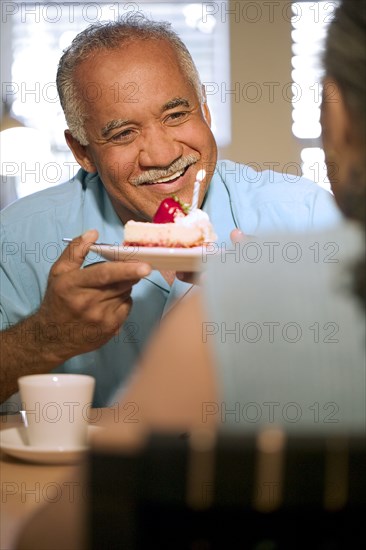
344, 117
344, 106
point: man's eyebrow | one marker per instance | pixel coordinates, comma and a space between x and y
113, 124
118, 123
175, 102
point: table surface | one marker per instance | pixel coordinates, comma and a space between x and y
34, 494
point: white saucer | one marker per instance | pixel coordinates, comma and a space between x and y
13, 441
175, 259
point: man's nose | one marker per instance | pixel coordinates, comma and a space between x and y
158, 148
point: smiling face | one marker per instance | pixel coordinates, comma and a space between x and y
147, 130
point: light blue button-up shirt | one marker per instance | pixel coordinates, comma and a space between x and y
31, 240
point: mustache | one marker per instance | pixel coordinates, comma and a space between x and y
150, 176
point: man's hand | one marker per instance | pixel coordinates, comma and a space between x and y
82, 309
237, 236
84, 302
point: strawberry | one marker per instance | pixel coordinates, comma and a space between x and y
168, 209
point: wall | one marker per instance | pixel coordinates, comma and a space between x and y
261, 113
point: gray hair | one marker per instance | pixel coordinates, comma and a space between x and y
108, 36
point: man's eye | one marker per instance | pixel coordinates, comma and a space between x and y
177, 117
126, 135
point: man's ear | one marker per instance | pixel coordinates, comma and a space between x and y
80, 152
206, 110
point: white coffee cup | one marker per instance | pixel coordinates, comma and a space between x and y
56, 409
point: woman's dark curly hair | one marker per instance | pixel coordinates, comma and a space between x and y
344, 61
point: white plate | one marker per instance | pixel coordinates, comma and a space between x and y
13, 441
175, 259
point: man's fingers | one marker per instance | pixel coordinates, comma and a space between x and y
237, 236
104, 274
74, 255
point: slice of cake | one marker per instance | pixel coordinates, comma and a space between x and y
173, 226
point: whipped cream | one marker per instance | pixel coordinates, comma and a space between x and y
197, 218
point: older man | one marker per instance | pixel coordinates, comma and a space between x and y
139, 126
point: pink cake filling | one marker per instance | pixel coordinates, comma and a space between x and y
187, 231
